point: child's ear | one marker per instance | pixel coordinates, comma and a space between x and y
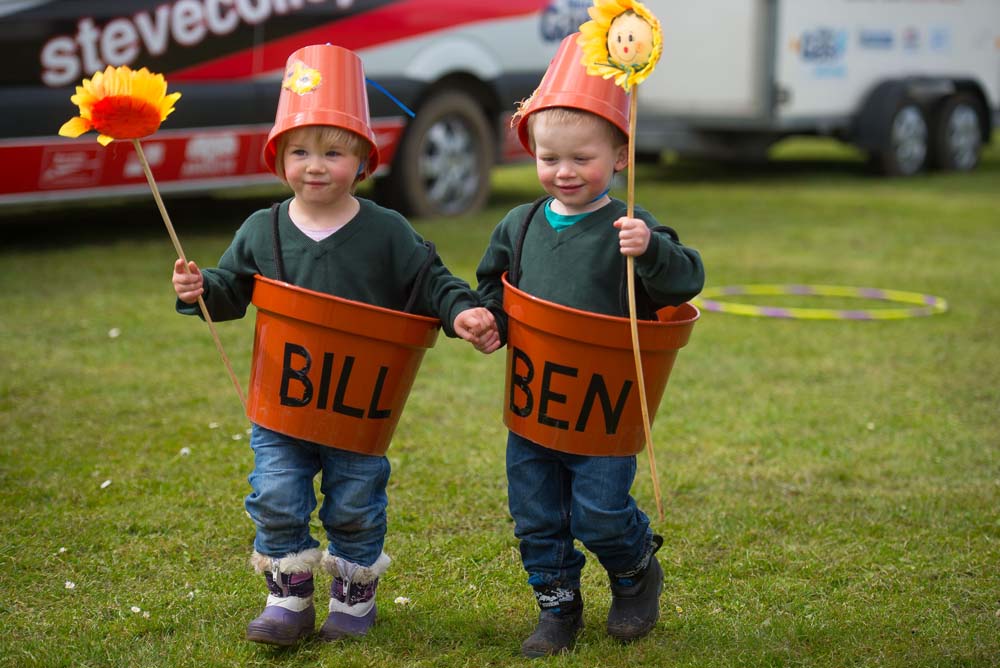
621, 160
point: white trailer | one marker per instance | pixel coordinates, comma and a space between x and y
914, 83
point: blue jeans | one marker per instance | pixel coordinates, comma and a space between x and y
283, 498
555, 497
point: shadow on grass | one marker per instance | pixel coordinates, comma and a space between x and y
84, 223
801, 169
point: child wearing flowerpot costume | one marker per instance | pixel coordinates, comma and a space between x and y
327, 240
570, 248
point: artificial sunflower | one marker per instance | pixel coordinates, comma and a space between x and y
622, 39
120, 103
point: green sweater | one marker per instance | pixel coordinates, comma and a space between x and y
374, 259
582, 266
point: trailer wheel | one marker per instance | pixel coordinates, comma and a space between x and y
442, 166
905, 147
957, 133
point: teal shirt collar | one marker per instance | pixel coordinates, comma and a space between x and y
560, 222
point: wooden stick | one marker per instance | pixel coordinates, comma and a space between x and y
633, 324
180, 254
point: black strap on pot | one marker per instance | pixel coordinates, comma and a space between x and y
514, 271
279, 264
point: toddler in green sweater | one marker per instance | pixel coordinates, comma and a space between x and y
326, 239
570, 248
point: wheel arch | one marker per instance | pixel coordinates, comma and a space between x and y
881, 102
485, 95
404, 188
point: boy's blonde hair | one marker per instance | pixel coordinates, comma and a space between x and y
571, 116
325, 135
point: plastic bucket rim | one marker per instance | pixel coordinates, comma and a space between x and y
351, 302
603, 320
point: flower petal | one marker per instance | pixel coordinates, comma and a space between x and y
75, 127
121, 103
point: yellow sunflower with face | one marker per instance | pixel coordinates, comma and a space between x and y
120, 103
622, 39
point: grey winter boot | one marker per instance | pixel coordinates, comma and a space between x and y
559, 622
352, 596
289, 613
635, 597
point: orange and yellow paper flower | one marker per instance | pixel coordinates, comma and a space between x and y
120, 103
301, 79
622, 39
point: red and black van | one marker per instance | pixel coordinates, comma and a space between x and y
458, 66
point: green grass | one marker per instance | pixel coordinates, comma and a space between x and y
832, 488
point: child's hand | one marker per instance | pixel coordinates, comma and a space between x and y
478, 327
188, 286
633, 236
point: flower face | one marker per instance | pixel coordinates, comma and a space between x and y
622, 39
120, 103
630, 40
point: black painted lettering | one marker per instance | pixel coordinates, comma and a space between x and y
324, 381
548, 395
598, 389
289, 373
521, 381
338, 399
374, 412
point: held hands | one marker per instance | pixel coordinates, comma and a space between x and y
478, 327
188, 286
633, 236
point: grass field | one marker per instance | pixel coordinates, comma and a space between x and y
832, 488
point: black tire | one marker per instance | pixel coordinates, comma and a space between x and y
957, 133
442, 166
905, 141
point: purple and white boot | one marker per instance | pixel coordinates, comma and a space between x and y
352, 596
289, 614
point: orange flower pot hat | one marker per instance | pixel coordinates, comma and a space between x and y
567, 84
323, 84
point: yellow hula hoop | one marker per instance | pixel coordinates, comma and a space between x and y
925, 304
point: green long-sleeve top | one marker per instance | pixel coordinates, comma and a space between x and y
582, 266
374, 259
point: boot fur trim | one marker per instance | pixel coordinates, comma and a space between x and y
347, 570
297, 562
